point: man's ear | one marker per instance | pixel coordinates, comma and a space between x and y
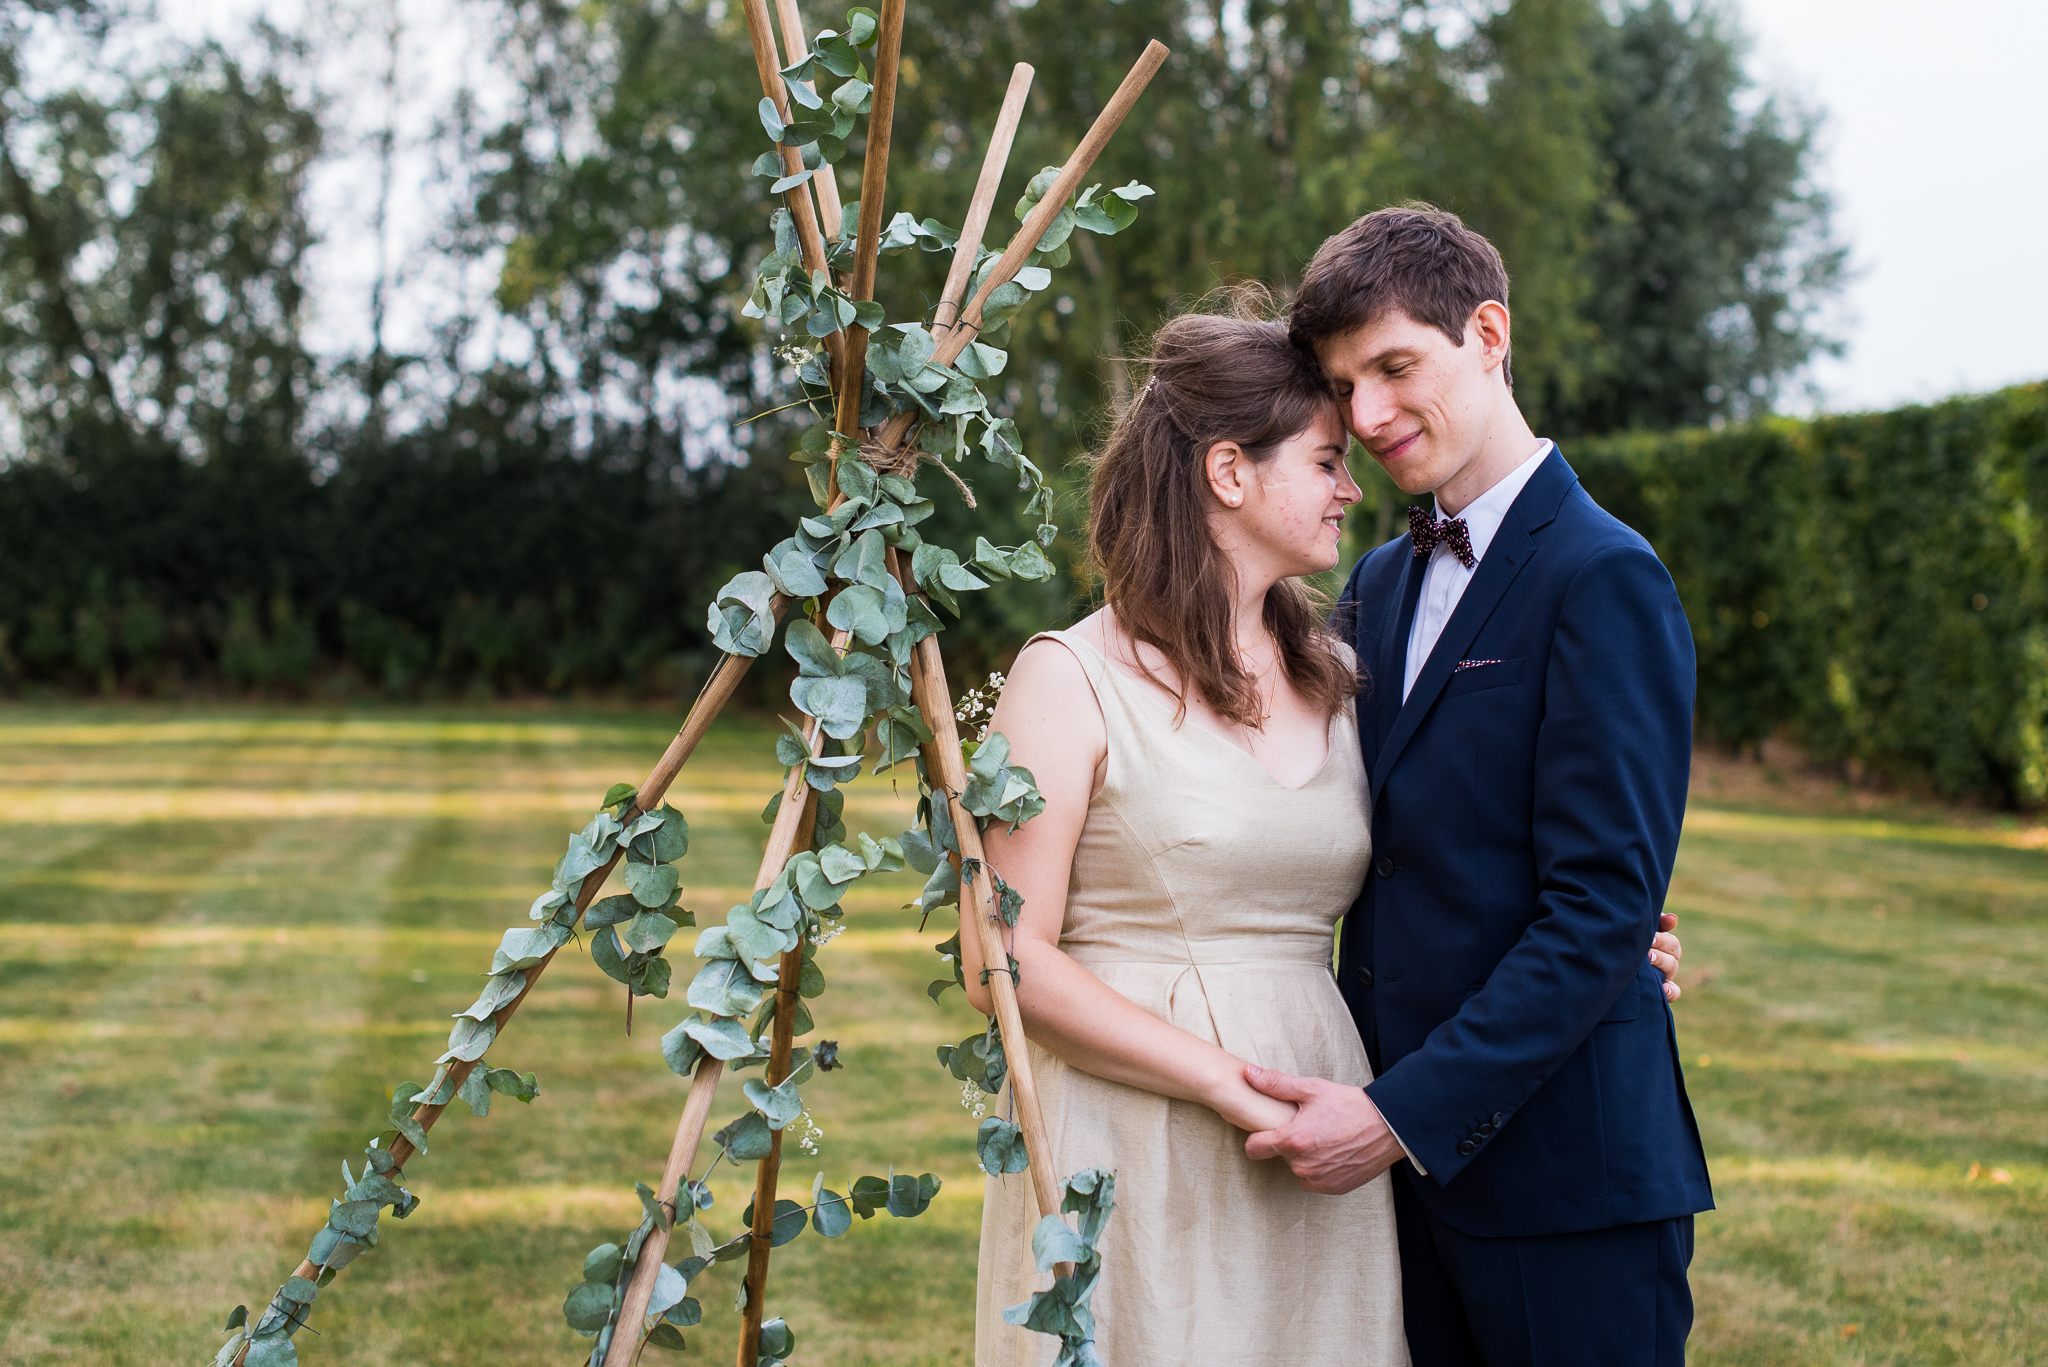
1489, 327
1226, 467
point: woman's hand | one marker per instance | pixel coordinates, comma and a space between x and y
1665, 952
1246, 1107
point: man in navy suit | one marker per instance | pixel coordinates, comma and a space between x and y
1526, 714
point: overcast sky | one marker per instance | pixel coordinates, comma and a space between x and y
1932, 145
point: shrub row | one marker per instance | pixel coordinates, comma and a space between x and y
426, 568
406, 570
1873, 586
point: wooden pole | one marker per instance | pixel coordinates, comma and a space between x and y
976, 222
874, 181
682, 1156
948, 775
711, 700
830, 212
1027, 239
769, 66
785, 838
792, 824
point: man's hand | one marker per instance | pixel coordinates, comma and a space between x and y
1337, 1141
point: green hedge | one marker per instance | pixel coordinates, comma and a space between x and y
442, 564
1873, 586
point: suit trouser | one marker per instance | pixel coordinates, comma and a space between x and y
1604, 1298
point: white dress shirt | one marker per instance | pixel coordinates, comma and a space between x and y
1443, 583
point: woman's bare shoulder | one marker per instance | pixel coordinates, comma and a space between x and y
1048, 669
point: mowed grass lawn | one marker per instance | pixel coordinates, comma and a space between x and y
230, 931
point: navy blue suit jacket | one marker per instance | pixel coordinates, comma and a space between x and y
1525, 815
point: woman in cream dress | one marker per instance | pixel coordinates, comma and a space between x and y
1206, 825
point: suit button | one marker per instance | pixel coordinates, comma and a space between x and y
1465, 1149
1364, 976
1485, 1131
1385, 866
1497, 1118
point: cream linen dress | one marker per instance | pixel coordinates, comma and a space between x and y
1205, 891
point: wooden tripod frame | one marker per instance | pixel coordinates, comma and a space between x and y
815, 211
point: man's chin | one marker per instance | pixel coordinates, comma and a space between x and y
1409, 476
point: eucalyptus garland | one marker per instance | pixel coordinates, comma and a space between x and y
837, 563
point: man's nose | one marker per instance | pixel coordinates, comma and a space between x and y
1369, 411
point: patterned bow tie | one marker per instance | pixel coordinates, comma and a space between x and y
1430, 533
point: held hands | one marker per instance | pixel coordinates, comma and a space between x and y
1337, 1140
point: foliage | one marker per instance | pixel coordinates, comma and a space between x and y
1063, 1310
1875, 585
525, 499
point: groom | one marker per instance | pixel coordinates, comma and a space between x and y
1526, 716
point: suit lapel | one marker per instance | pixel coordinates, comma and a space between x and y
1393, 660
1514, 546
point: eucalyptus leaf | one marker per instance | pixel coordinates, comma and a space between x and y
856, 480
778, 1105
274, 1351
402, 1118
831, 1213
919, 851
680, 1052
525, 946
576, 864
356, 1219
1000, 1146
589, 1305
757, 941
839, 704
981, 361
864, 562
610, 957
714, 943
795, 574
721, 1038
603, 1264
468, 1040
669, 1287
746, 1139
652, 885
476, 1092
859, 609
611, 911
1029, 563
811, 651
724, 988
519, 1086
868, 1195
911, 1196
671, 837
499, 989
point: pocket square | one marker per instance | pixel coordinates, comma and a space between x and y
1474, 664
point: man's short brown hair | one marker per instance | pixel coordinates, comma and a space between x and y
1416, 258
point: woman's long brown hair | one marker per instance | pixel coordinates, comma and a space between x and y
1212, 378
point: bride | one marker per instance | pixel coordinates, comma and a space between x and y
1206, 825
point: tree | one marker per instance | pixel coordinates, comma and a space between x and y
1715, 248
